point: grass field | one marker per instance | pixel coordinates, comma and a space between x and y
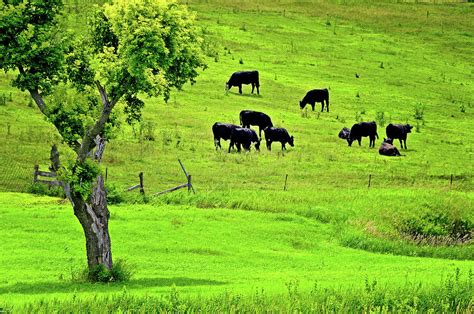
241, 232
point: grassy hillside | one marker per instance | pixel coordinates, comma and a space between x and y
241, 230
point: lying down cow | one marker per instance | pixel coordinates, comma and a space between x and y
222, 131
244, 77
387, 148
278, 135
244, 137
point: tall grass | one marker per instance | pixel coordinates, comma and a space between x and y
453, 294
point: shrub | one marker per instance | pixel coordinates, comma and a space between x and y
44, 189
120, 272
147, 131
437, 227
114, 194
380, 118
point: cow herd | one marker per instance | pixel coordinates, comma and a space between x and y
243, 136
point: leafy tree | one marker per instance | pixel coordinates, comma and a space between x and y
132, 48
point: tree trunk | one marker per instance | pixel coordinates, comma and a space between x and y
93, 215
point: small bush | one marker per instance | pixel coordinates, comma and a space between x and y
114, 194
419, 112
437, 227
380, 118
147, 131
44, 189
120, 272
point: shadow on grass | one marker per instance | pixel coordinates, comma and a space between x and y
244, 94
61, 287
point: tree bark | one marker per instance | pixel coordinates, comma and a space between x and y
93, 214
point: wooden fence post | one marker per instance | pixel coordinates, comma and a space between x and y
142, 189
286, 179
35, 174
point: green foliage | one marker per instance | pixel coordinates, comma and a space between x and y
115, 195
437, 226
44, 189
80, 176
380, 118
120, 272
29, 39
419, 112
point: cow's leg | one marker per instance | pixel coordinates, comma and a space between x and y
312, 105
283, 146
217, 143
405, 144
231, 145
238, 147
401, 142
269, 145
322, 106
240, 89
258, 92
260, 132
359, 140
253, 87
327, 105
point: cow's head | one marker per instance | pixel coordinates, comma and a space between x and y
257, 145
227, 87
302, 105
408, 128
388, 140
291, 141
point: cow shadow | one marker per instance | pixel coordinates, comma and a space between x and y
244, 94
68, 286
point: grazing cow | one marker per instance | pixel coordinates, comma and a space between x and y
249, 117
361, 129
387, 148
244, 77
222, 130
314, 96
278, 135
399, 131
244, 137
344, 134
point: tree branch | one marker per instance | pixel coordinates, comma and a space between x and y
88, 141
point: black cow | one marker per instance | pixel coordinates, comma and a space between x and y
399, 131
244, 77
222, 130
387, 148
344, 134
278, 135
361, 129
244, 137
249, 117
314, 96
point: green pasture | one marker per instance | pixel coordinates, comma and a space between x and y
241, 231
